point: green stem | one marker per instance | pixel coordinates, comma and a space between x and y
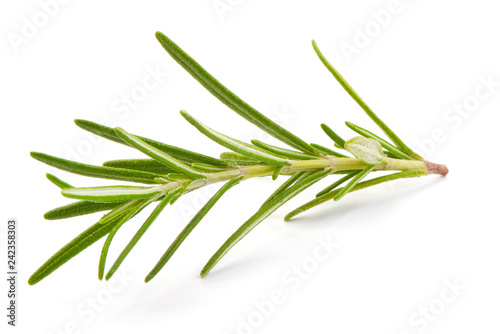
336, 163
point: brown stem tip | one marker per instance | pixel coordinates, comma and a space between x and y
433, 168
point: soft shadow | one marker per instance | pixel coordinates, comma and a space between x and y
401, 189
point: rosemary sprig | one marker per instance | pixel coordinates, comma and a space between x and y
169, 172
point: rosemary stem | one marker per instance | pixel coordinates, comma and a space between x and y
335, 163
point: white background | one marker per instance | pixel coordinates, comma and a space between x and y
400, 246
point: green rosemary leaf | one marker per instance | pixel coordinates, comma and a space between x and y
366, 149
236, 163
156, 154
177, 152
98, 129
118, 211
180, 192
71, 249
385, 144
236, 157
327, 151
293, 178
395, 139
136, 207
111, 193
229, 98
208, 168
174, 177
347, 171
337, 183
276, 173
362, 185
283, 151
95, 171
177, 176
190, 226
261, 214
79, 208
138, 235
146, 165
333, 136
391, 155
162, 180
301, 184
358, 177
234, 144
58, 182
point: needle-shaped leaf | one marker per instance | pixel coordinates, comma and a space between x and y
138, 235
58, 182
180, 191
261, 214
392, 155
176, 176
361, 185
136, 207
236, 163
118, 211
156, 154
208, 168
355, 180
146, 165
190, 226
276, 173
96, 171
74, 247
236, 157
327, 151
347, 171
392, 136
293, 178
229, 98
234, 144
333, 136
79, 208
337, 183
111, 193
177, 152
366, 149
385, 144
283, 151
